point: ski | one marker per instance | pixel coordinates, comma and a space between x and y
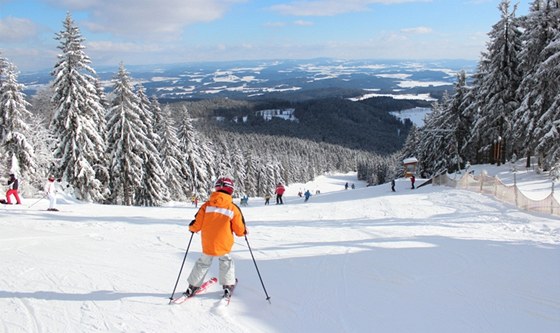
200, 290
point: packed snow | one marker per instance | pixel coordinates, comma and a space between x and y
433, 259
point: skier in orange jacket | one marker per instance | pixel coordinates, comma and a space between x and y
217, 219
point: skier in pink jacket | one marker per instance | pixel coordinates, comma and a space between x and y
279, 192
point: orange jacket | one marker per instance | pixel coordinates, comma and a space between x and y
218, 219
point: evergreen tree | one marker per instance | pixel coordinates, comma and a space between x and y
236, 161
541, 26
126, 141
547, 132
252, 169
170, 152
153, 189
472, 148
80, 146
436, 147
197, 155
412, 144
536, 36
15, 130
452, 126
497, 88
102, 167
463, 121
223, 157
4, 63
40, 139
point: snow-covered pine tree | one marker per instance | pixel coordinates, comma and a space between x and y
170, 152
450, 126
472, 148
252, 169
547, 132
102, 167
4, 63
497, 88
539, 28
14, 117
536, 91
80, 146
435, 146
464, 122
270, 174
42, 143
411, 144
197, 157
237, 163
40, 138
153, 190
222, 156
125, 141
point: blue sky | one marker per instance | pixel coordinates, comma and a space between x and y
172, 31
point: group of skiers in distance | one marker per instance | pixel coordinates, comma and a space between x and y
278, 193
50, 191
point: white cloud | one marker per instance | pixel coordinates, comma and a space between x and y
303, 23
146, 18
13, 29
330, 7
275, 24
31, 58
417, 30
299, 23
110, 47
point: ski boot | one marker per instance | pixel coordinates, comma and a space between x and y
191, 290
228, 290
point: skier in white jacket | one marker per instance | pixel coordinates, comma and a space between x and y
50, 192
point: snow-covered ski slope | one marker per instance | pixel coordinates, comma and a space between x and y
432, 259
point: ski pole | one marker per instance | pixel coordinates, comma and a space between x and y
36, 202
260, 278
180, 270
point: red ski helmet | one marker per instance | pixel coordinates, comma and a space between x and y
224, 184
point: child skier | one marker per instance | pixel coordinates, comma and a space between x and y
217, 219
50, 192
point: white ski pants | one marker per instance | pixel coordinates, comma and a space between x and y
227, 270
52, 200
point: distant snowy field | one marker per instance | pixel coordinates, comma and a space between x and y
240, 79
416, 115
432, 259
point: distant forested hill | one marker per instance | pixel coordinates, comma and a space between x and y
364, 125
